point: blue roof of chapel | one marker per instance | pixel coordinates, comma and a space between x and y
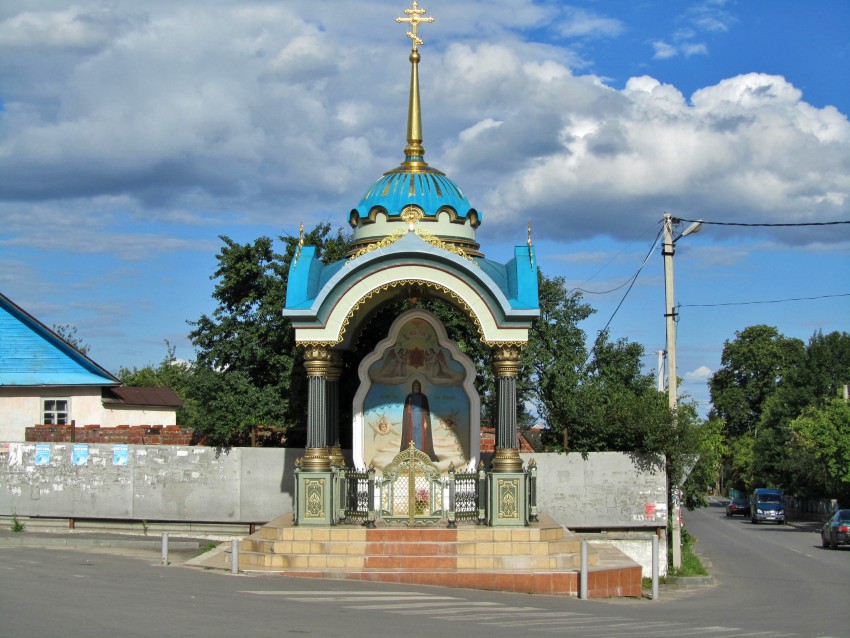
428, 189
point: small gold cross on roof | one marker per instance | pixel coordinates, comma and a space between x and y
414, 17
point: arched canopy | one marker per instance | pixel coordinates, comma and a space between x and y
326, 302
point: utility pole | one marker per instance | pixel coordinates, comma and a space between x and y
668, 249
661, 354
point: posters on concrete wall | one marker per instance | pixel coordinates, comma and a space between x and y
80, 454
120, 454
42, 454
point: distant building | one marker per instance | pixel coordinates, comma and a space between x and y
45, 380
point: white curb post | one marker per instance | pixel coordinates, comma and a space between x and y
165, 549
582, 589
234, 555
655, 567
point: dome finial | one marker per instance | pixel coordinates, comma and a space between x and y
414, 151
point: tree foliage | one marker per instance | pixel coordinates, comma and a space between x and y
821, 438
766, 384
170, 373
752, 365
592, 400
68, 333
249, 371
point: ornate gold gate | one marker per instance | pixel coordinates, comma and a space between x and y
411, 489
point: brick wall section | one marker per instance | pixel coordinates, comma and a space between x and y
488, 441
135, 434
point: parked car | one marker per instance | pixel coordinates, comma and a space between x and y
836, 531
738, 506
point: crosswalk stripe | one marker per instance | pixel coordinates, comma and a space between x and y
441, 611
356, 594
395, 608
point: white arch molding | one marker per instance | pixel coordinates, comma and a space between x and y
332, 331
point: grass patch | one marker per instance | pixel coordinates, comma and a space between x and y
17, 526
691, 564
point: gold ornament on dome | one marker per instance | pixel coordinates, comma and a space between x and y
431, 238
412, 215
387, 241
300, 244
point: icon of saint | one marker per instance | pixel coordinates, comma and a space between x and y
416, 422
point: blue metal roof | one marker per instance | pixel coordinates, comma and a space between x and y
33, 355
427, 188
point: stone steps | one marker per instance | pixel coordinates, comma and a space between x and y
542, 558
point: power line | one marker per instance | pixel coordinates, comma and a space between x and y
633, 280
765, 225
608, 263
751, 303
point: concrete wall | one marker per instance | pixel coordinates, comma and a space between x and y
167, 483
254, 485
608, 490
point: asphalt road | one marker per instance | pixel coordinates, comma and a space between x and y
770, 581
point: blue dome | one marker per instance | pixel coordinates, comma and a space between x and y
417, 185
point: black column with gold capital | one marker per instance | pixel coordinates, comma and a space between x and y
508, 482
506, 365
314, 476
333, 375
318, 361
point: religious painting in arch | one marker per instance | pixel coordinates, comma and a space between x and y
417, 386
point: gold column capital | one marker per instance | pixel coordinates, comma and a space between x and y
506, 360
318, 360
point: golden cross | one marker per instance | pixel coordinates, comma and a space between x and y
414, 17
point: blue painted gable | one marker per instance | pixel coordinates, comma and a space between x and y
32, 355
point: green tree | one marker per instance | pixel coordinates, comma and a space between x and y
818, 376
555, 360
249, 371
752, 365
68, 333
821, 443
592, 400
177, 375
713, 451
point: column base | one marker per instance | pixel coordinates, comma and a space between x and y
508, 492
314, 498
316, 459
507, 460
336, 457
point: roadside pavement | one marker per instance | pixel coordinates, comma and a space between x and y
180, 547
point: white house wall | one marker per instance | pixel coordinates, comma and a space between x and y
20, 408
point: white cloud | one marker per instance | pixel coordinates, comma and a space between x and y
68, 29
702, 373
663, 50
263, 113
581, 23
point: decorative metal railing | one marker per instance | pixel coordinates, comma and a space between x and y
354, 495
412, 492
465, 492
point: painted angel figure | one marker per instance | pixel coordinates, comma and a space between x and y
383, 427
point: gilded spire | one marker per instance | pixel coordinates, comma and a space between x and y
414, 151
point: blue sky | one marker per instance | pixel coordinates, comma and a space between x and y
133, 134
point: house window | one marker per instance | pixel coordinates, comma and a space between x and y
55, 412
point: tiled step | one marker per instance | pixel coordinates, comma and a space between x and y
543, 557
